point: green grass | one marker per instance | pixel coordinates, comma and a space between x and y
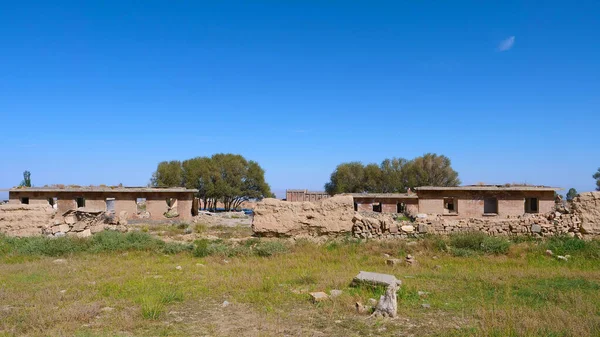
488, 291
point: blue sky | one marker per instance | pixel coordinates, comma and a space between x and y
100, 92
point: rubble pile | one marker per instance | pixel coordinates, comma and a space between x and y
84, 222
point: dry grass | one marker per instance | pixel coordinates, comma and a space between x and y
522, 293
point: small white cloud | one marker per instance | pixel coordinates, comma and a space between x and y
507, 44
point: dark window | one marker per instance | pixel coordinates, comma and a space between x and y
80, 202
400, 207
450, 205
531, 205
355, 207
377, 207
25, 200
490, 205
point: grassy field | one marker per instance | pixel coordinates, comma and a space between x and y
136, 285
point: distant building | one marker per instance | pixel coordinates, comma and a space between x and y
305, 195
462, 202
155, 201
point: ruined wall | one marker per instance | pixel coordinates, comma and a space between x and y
587, 208
379, 226
329, 216
24, 220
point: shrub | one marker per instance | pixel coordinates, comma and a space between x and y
201, 248
564, 245
270, 248
478, 242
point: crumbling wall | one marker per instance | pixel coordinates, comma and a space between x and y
331, 216
587, 208
554, 223
25, 220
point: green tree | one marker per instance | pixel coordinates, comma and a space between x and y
168, 174
26, 182
431, 170
347, 178
597, 177
228, 178
571, 194
394, 175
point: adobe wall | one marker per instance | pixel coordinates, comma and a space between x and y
471, 204
330, 216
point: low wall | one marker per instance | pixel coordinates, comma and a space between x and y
331, 216
25, 220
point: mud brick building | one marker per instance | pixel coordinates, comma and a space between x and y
154, 203
486, 200
305, 195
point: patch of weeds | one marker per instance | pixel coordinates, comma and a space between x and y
304, 279
170, 296
176, 248
477, 242
403, 218
200, 228
182, 225
152, 310
564, 245
201, 248
270, 248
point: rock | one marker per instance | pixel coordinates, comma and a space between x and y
408, 229
60, 261
421, 216
435, 257
422, 228
376, 279
79, 226
59, 234
178, 268
225, 304
70, 219
372, 302
393, 262
410, 260
411, 243
318, 296
60, 228
535, 228
97, 229
386, 255
388, 302
563, 258
362, 309
422, 293
86, 233
549, 252
330, 216
107, 309
335, 293
426, 305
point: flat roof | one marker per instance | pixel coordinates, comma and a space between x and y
489, 188
383, 195
111, 189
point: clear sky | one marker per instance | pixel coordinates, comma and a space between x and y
100, 92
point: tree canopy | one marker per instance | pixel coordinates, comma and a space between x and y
394, 175
26, 182
228, 178
571, 194
597, 177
